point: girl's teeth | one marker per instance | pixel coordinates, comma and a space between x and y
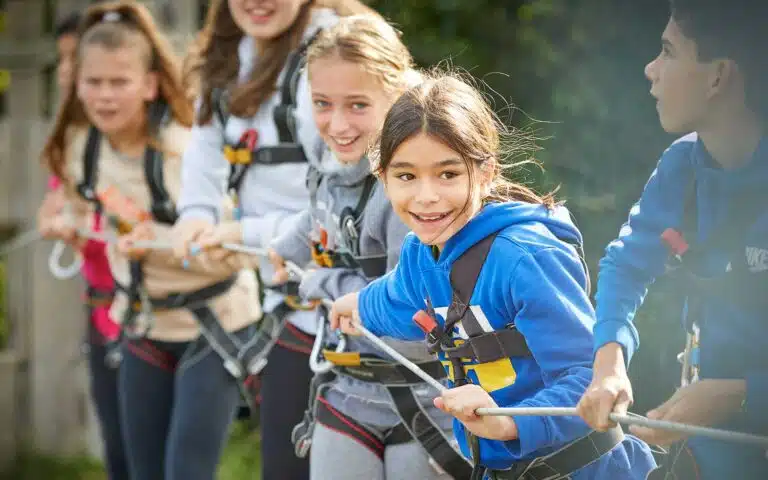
431, 218
344, 142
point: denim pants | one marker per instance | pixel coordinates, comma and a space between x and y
177, 407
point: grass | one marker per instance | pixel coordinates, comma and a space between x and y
240, 462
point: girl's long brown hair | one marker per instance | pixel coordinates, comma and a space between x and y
213, 61
451, 110
133, 25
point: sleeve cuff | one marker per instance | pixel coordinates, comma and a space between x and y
533, 434
199, 212
622, 333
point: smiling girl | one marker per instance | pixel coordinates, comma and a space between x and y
372, 417
115, 153
498, 269
254, 139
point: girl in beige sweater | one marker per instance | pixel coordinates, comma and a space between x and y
116, 152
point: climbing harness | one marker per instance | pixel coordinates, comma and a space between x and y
399, 381
246, 151
559, 464
348, 256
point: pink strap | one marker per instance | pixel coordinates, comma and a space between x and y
53, 182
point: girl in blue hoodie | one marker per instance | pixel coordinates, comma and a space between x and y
522, 334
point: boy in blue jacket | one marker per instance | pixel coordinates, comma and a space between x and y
702, 216
498, 269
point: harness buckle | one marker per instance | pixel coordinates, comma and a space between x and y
139, 305
431, 329
675, 242
321, 256
237, 156
302, 435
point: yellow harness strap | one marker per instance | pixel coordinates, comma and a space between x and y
342, 359
320, 257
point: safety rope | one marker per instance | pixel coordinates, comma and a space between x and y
628, 419
295, 270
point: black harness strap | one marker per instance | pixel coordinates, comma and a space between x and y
283, 113
331, 418
429, 435
563, 463
481, 345
373, 266
736, 285
415, 422
87, 187
374, 369
220, 105
288, 150
484, 347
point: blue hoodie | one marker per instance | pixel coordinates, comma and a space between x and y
733, 336
531, 278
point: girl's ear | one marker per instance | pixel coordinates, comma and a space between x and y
486, 171
151, 87
381, 177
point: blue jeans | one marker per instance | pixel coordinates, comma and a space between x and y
104, 392
177, 406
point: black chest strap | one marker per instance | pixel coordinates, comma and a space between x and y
283, 114
480, 345
243, 154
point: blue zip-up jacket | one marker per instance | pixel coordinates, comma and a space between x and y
733, 333
535, 280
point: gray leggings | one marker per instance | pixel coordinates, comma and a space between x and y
335, 456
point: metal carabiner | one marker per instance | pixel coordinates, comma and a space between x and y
315, 364
57, 269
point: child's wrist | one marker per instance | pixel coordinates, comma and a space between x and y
509, 431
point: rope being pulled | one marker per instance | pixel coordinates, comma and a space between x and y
628, 419
66, 272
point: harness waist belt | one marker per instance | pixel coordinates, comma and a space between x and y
281, 153
98, 297
179, 300
182, 300
369, 368
562, 463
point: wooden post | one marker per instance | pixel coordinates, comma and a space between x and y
46, 314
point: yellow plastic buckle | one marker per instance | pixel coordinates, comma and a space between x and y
237, 156
296, 304
320, 257
342, 359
